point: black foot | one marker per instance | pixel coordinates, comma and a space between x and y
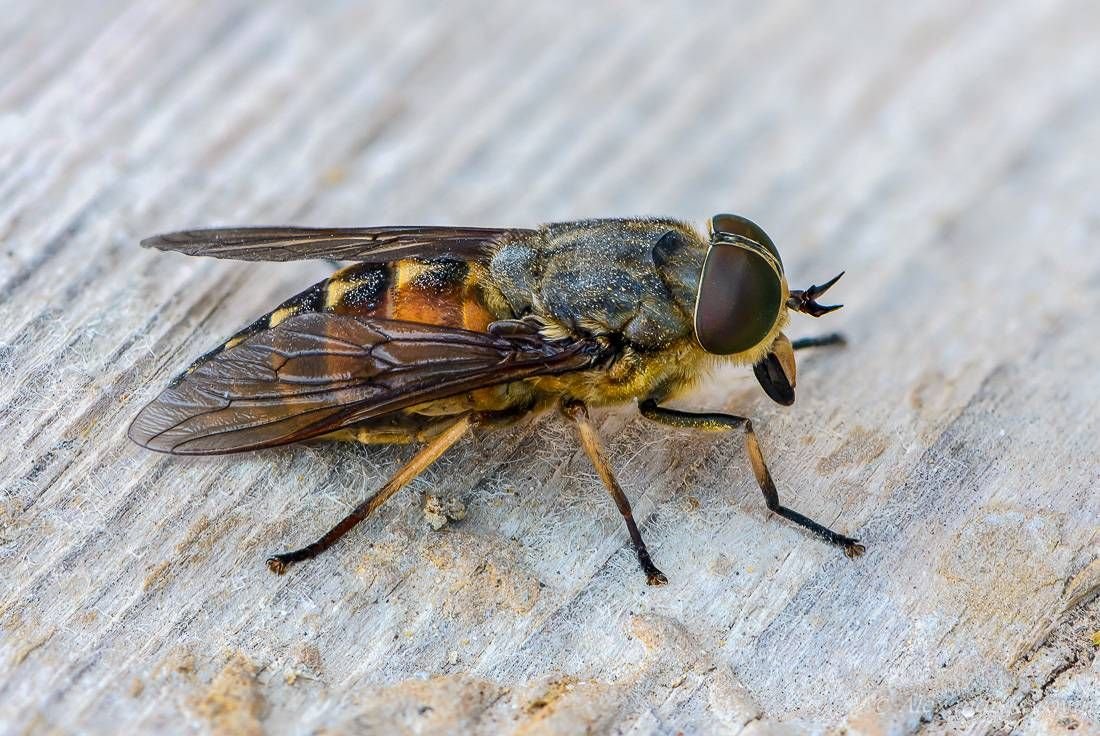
653, 576
853, 549
279, 564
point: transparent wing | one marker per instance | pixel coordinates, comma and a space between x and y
342, 244
315, 373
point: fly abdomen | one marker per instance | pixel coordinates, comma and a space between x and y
440, 292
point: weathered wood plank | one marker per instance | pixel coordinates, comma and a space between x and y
940, 153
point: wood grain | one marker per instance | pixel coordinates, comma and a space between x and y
942, 153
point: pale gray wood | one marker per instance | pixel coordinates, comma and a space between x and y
943, 153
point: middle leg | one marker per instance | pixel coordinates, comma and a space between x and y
577, 412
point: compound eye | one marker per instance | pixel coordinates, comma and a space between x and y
745, 228
739, 300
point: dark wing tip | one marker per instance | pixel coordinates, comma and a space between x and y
181, 241
160, 242
165, 424
153, 427
143, 432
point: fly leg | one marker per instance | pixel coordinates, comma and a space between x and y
417, 465
833, 338
723, 422
577, 412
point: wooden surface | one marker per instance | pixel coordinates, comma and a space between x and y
943, 153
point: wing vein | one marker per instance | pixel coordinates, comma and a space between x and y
278, 386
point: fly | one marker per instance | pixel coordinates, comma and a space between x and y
436, 330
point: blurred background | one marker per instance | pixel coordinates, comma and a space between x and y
943, 153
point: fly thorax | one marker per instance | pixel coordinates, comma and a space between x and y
632, 278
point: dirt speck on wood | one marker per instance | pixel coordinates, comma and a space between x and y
439, 511
232, 704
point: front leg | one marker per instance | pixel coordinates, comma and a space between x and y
821, 341
725, 422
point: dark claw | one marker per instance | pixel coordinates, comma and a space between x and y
653, 576
854, 549
277, 565
804, 301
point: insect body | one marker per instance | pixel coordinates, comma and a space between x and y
435, 330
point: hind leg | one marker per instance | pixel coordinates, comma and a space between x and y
452, 432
